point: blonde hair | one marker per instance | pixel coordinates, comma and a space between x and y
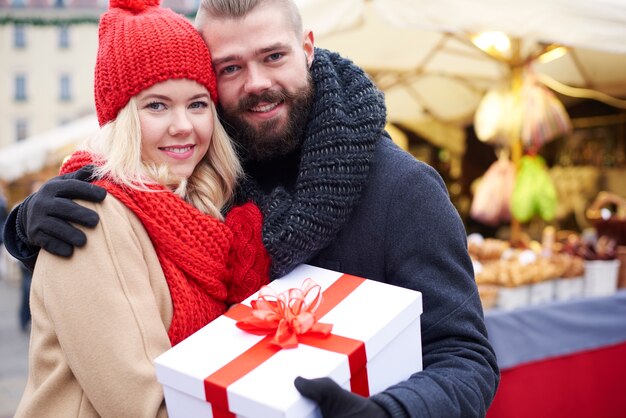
209, 188
240, 8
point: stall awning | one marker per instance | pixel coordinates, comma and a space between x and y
37, 151
593, 24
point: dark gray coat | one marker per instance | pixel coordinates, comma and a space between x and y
406, 232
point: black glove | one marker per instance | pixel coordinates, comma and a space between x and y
336, 402
45, 216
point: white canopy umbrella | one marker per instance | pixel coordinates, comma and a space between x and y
589, 24
420, 53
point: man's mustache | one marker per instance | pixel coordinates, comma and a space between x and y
270, 96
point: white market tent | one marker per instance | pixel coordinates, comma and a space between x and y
37, 151
419, 53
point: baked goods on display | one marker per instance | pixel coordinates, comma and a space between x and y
510, 278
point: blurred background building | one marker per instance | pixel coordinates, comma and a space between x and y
48, 51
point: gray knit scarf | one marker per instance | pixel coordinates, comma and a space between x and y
346, 120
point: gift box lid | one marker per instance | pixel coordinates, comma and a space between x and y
373, 312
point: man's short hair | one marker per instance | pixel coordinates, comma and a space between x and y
240, 8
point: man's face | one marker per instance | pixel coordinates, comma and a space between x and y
263, 82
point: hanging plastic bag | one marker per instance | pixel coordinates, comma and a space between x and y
533, 114
534, 193
544, 116
491, 204
495, 116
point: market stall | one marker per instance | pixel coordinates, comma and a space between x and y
505, 69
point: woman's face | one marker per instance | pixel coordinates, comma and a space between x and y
176, 124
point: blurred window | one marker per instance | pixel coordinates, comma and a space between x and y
64, 37
65, 91
19, 36
20, 88
21, 129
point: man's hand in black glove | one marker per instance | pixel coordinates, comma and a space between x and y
336, 402
45, 216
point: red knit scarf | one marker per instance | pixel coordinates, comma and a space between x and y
206, 265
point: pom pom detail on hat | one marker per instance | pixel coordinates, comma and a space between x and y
133, 5
141, 44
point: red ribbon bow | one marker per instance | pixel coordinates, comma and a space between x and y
287, 314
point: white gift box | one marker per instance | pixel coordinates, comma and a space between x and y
510, 298
221, 368
568, 288
540, 293
601, 277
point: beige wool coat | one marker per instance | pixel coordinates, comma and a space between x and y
99, 319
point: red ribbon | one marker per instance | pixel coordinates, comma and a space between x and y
215, 385
286, 315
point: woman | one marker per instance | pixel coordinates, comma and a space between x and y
162, 261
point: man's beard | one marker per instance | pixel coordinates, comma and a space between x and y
265, 140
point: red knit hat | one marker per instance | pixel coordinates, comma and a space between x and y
141, 44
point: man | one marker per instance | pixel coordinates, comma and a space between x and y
335, 192
3, 209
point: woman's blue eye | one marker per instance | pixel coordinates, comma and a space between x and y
155, 106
